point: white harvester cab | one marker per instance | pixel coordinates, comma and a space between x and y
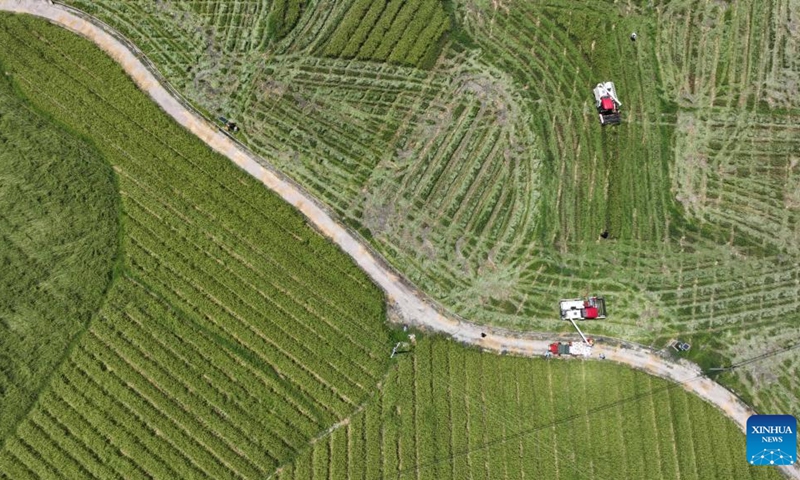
607, 103
590, 308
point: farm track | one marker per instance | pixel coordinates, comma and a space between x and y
411, 304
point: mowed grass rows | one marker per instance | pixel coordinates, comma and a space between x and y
182, 31
594, 179
206, 48
731, 55
739, 172
439, 173
449, 412
699, 204
236, 332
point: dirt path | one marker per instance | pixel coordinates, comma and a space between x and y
413, 307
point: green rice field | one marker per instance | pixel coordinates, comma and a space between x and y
166, 316
450, 412
59, 242
233, 333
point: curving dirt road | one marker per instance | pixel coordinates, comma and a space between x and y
411, 305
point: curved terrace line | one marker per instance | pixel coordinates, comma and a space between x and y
408, 301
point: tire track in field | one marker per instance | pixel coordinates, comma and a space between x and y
405, 300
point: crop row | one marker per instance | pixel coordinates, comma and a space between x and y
198, 191
238, 382
731, 64
729, 55
237, 333
283, 16
258, 338
211, 399
453, 413
192, 188
238, 257
390, 30
58, 237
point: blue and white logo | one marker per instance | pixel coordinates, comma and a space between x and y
771, 440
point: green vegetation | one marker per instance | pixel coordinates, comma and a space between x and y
237, 342
59, 212
208, 45
695, 188
394, 31
487, 179
697, 195
283, 16
233, 334
450, 412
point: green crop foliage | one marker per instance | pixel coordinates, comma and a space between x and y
59, 212
283, 16
235, 332
450, 412
400, 32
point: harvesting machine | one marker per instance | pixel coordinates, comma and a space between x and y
583, 309
581, 349
607, 103
578, 309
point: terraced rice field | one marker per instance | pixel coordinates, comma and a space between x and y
233, 334
450, 412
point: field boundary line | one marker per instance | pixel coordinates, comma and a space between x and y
406, 302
